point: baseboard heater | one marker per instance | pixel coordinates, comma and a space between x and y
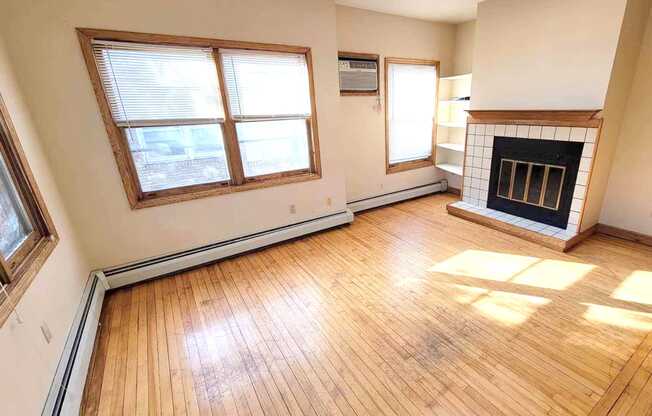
67, 388
392, 197
68, 383
184, 260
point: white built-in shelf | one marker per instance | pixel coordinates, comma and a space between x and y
455, 124
456, 147
451, 122
449, 167
455, 77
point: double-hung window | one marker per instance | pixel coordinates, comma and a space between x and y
411, 99
191, 117
166, 101
269, 99
27, 234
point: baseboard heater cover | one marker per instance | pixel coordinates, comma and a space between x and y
390, 198
171, 263
67, 388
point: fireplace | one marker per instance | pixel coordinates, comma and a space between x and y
534, 179
528, 173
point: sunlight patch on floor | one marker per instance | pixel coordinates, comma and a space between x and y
467, 294
508, 308
637, 287
484, 265
618, 317
522, 270
553, 274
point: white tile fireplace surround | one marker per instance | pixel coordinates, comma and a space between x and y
484, 127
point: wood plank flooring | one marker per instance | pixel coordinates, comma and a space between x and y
408, 311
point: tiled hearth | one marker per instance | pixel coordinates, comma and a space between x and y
481, 134
523, 223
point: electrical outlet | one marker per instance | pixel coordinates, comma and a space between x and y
329, 201
293, 209
47, 334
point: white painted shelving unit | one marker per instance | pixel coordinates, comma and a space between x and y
451, 125
450, 168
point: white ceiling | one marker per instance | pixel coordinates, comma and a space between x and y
452, 11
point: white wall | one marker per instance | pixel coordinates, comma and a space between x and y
556, 54
526, 57
464, 47
544, 54
620, 86
28, 362
361, 121
628, 201
47, 75
42, 45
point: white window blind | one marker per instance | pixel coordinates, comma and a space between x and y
266, 84
411, 111
157, 84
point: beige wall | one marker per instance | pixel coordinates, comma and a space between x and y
628, 201
526, 57
464, 46
555, 54
620, 86
544, 54
43, 46
361, 120
28, 362
48, 76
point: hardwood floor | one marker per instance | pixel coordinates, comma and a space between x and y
407, 311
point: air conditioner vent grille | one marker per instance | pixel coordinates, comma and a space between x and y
358, 75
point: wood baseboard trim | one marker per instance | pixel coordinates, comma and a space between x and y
581, 237
544, 240
625, 234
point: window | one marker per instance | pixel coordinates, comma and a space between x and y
410, 103
166, 100
27, 235
269, 98
194, 117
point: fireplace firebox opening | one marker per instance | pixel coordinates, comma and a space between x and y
531, 183
534, 179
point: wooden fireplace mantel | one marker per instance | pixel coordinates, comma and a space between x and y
575, 118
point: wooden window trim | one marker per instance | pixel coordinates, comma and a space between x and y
238, 183
360, 55
21, 268
412, 164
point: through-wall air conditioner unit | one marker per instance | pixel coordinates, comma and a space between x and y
358, 74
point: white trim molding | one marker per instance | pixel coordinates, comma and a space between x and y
172, 263
67, 387
391, 198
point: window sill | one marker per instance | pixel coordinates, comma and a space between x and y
346, 93
413, 164
204, 192
17, 288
